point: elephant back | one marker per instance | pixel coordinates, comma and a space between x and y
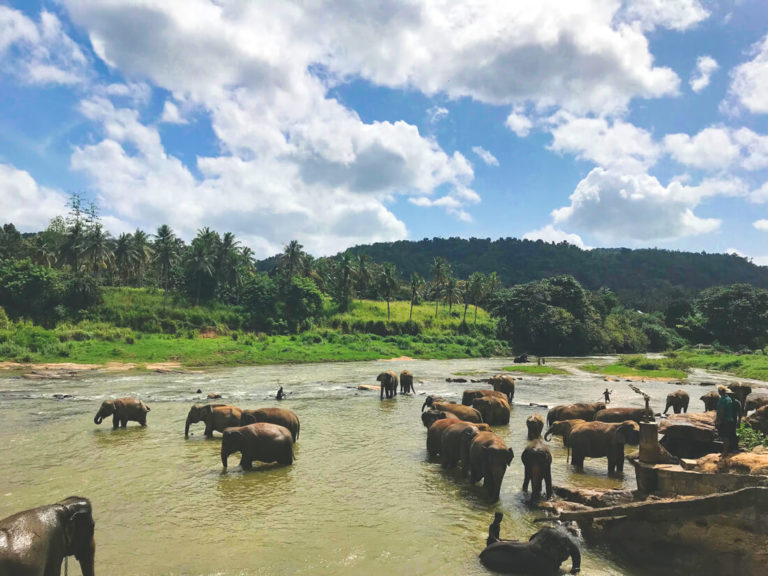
494, 410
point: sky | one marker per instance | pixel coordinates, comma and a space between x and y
604, 123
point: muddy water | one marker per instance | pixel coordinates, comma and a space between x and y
361, 497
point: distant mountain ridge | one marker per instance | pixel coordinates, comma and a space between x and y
640, 277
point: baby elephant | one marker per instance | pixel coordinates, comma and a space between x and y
122, 410
262, 441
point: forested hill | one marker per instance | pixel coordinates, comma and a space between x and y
638, 276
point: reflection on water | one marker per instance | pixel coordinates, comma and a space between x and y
361, 498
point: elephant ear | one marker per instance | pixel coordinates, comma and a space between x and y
78, 526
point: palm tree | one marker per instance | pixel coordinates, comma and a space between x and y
227, 260
474, 292
43, 252
345, 278
415, 285
290, 259
364, 274
96, 248
440, 272
72, 247
125, 255
201, 258
492, 285
453, 290
143, 250
388, 283
166, 248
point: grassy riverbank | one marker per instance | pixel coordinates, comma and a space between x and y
534, 369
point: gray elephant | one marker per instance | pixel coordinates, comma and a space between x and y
537, 460
217, 417
678, 401
494, 411
406, 383
455, 444
279, 416
466, 413
541, 555
435, 434
603, 439
470, 396
122, 410
262, 441
563, 428
578, 411
35, 542
710, 400
535, 424
741, 391
431, 416
489, 459
621, 414
756, 400
388, 384
504, 383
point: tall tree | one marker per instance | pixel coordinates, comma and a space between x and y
453, 291
475, 292
388, 283
166, 251
125, 256
364, 275
345, 280
441, 269
416, 284
143, 249
96, 248
291, 259
201, 258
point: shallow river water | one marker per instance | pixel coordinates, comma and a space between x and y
361, 497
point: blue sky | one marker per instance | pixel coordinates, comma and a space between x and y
601, 122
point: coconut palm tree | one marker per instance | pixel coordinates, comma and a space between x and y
144, 251
125, 256
441, 270
474, 292
201, 257
166, 247
452, 293
388, 283
364, 275
416, 284
291, 258
345, 279
96, 248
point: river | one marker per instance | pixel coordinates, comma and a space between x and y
361, 497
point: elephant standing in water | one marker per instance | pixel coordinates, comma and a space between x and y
495, 411
617, 415
678, 401
540, 556
216, 417
601, 439
470, 396
489, 459
537, 459
431, 416
279, 416
35, 542
580, 411
122, 410
263, 441
406, 383
466, 413
563, 428
710, 400
388, 384
504, 383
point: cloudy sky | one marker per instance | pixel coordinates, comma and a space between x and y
601, 122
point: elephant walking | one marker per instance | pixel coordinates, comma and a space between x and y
504, 383
122, 410
580, 411
542, 554
678, 401
262, 441
537, 460
217, 417
406, 383
35, 542
494, 411
279, 416
710, 400
489, 459
388, 384
603, 439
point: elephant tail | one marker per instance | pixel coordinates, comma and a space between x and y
298, 429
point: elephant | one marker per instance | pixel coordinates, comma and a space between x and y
470, 396
466, 413
710, 400
741, 391
563, 428
435, 434
122, 410
279, 416
535, 425
537, 460
489, 458
262, 441
758, 420
406, 383
494, 411
756, 400
599, 439
541, 555
620, 414
216, 417
431, 416
678, 401
455, 444
35, 542
504, 383
580, 411
388, 384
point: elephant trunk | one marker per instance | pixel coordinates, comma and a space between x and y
98, 419
575, 554
424, 405
548, 434
85, 558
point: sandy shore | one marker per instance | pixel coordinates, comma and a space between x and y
65, 369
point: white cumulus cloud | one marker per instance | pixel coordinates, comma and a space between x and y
551, 234
705, 67
25, 203
485, 156
749, 83
673, 14
761, 225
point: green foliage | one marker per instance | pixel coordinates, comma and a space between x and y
260, 299
30, 291
82, 291
736, 315
750, 438
640, 368
533, 369
303, 303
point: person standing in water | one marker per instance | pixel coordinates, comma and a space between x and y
607, 395
280, 394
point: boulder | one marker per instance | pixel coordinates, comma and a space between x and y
689, 435
758, 420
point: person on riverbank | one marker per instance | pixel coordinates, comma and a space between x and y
726, 419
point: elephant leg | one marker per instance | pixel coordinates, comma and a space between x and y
208, 431
474, 475
620, 458
124, 422
115, 420
526, 479
548, 481
577, 459
143, 420
677, 410
536, 484
246, 462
